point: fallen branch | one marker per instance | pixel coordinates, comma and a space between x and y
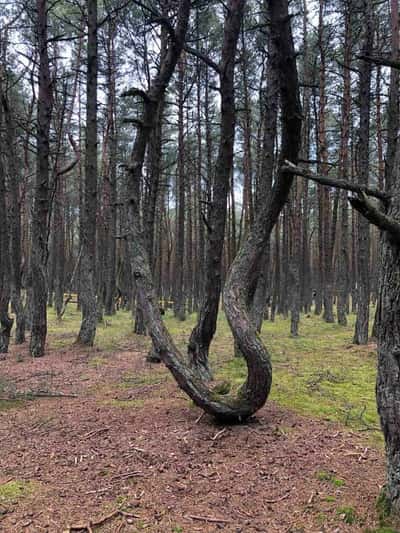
199, 418
39, 394
99, 491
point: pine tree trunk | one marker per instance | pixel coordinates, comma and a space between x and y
41, 203
362, 322
344, 264
87, 293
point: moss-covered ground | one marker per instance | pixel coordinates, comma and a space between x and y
319, 374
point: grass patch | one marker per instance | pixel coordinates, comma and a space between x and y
10, 404
14, 490
328, 476
130, 380
126, 404
347, 514
97, 361
113, 332
382, 530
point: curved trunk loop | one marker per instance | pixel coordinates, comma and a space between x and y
254, 393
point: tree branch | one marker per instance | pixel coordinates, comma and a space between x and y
134, 91
375, 216
203, 57
333, 182
379, 60
132, 120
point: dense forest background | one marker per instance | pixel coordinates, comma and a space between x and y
320, 251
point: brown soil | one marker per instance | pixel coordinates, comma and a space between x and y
132, 440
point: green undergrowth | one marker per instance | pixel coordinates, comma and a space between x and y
382, 530
388, 522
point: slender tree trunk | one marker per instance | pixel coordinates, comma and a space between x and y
180, 296
41, 202
203, 333
5, 320
88, 260
325, 209
344, 263
14, 217
362, 322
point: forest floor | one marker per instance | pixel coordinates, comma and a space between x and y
122, 441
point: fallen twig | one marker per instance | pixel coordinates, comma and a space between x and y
127, 475
218, 434
210, 519
43, 394
94, 432
278, 499
199, 418
30, 395
99, 491
89, 526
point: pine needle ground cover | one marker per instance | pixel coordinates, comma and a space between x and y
113, 435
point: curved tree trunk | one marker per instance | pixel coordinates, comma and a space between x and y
255, 391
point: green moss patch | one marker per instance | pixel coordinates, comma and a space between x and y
328, 476
347, 514
319, 374
126, 404
131, 381
14, 490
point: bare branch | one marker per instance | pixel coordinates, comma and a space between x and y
333, 182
